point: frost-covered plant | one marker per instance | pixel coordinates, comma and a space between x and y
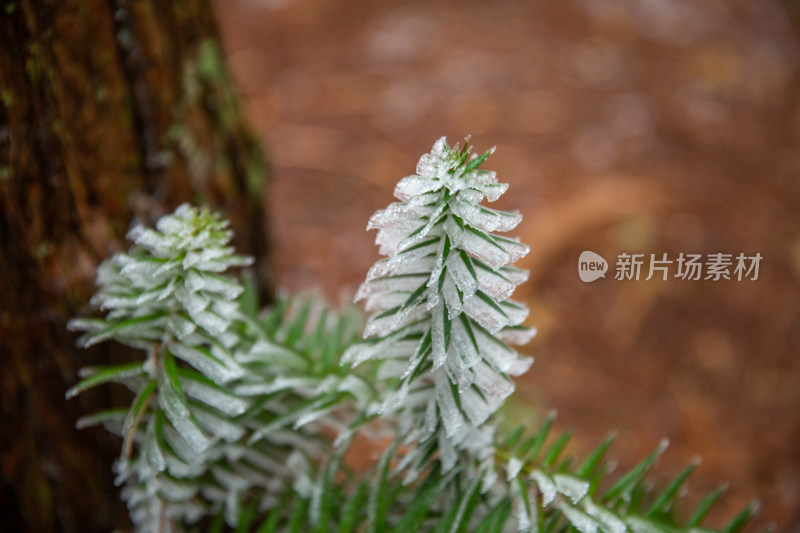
227, 406
246, 416
442, 316
441, 323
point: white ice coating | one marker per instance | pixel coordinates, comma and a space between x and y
218, 426
459, 374
547, 487
580, 520
452, 299
438, 349
152, 451
483, 218
513, 468
460, 269
448, 409
572, 487
446, 277
524, 503
177, 412
609, 521
462, 346
174, 271
487, 313
206, 363
518, 336
217, 398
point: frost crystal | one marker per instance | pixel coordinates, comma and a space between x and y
439, 299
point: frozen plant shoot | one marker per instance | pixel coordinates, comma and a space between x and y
441, 315
243, 419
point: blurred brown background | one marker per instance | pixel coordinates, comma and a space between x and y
622, 126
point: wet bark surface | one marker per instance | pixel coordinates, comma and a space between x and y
110, 112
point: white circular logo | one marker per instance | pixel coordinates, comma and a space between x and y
591, 266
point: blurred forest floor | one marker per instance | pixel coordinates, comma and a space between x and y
622, 126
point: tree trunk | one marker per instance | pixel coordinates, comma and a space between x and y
110, 111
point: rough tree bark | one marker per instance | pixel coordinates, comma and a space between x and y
110, 111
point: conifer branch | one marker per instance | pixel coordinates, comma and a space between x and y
246, 417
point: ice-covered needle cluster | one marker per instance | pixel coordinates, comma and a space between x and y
441, 314
171, 284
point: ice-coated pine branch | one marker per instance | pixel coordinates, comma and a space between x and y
442, 318
246, 416
530, 484
169, 296
169, 287
230, 408
441, 324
